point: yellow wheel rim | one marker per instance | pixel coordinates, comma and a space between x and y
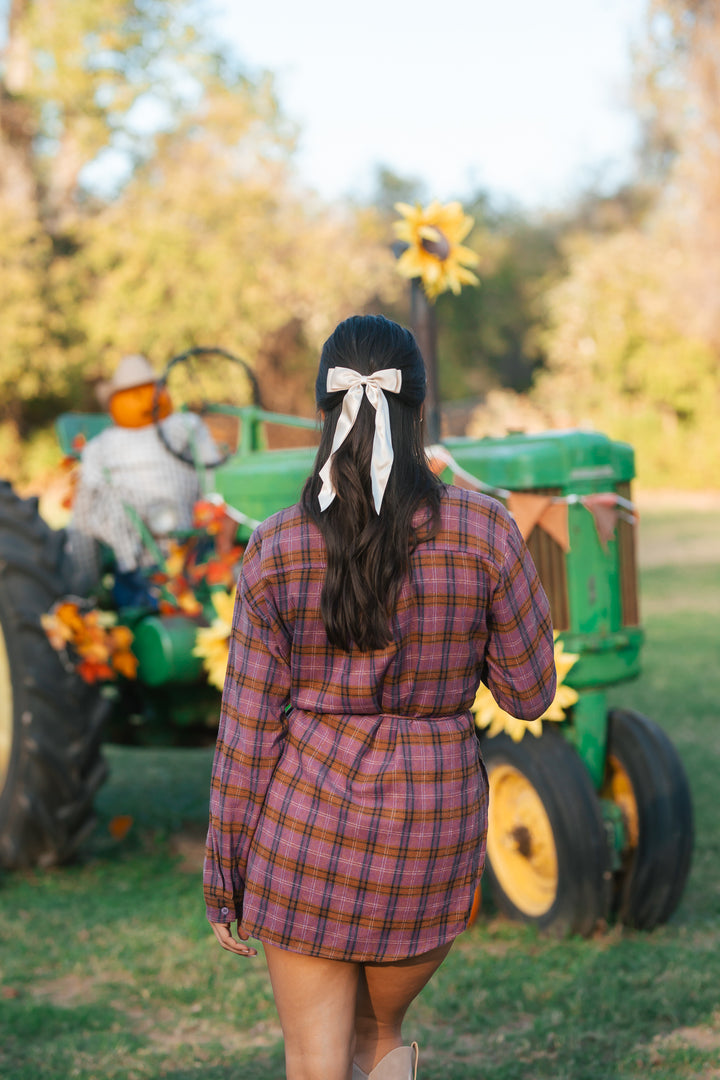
618, 788
521, 846
6, 712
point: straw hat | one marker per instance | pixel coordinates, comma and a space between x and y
133, 370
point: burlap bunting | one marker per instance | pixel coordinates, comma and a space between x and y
604, 509
549, 512
530, 510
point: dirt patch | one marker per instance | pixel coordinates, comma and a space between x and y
703, 1037
165, 1031
466, 943
163, 1028
73, 988
663, 605
680, 535
189, 847
658, 550
63, 991
260, 1035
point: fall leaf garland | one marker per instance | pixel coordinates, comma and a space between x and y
192, 580
91, 642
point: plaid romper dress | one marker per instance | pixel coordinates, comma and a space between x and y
348, 806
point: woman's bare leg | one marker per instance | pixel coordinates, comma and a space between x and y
384, 994
315, 1000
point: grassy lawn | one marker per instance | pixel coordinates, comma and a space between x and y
109, 972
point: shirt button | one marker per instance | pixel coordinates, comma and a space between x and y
224, 911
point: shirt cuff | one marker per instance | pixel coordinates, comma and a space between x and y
224, 913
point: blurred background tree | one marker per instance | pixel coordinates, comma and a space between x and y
148, 203
632, 337
486, 336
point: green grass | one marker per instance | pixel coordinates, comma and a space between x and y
108, 970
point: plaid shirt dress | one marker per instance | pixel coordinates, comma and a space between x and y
348, 806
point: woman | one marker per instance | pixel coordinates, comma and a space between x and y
349, 799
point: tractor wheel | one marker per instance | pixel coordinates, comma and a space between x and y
50, 720
645, 778
547, 853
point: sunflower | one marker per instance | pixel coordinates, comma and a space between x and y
212, 643
488, 713
435, 253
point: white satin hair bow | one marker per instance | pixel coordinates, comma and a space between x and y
355, 385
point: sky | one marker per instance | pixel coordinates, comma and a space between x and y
525, 99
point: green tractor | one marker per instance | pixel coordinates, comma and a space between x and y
589, 822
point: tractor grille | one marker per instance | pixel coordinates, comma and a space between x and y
628, 566
549, 559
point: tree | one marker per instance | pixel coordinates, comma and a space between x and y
633, 326
680, 79
148, 202
488, 335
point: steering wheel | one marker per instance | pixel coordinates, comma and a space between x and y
200, 383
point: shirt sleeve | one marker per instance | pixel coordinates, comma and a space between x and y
250, 736
519, 667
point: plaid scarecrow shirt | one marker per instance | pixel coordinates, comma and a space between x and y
348, 806
131, 467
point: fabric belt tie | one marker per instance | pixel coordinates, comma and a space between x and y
355, 385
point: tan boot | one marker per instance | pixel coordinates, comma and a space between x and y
400, 1064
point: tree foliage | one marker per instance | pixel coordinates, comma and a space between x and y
148, 203
633, 326
487, 336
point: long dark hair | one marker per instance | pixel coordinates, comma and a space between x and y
368, 555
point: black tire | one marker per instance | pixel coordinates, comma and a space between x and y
658, 818
50, 720
548, 861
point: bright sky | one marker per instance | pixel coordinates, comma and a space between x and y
526, 98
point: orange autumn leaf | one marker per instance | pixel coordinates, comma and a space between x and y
69, 469
176, 560
121, 637
208, 515
120, 826
59, 633
221, 569
69, 614
125, 663
100, 648
93, 672
93, 645
188, 602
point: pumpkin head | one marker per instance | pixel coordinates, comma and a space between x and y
133, 408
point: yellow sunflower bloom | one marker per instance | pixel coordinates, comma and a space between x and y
212, 643
488, 713
435, 253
